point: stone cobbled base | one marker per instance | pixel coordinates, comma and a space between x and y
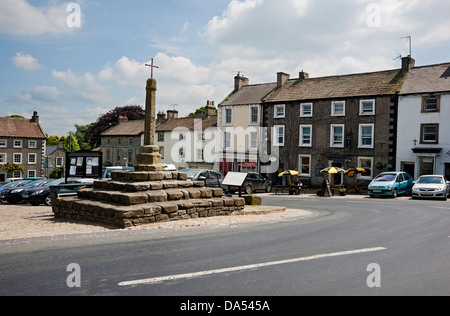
145, 197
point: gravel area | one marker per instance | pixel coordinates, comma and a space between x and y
26, 221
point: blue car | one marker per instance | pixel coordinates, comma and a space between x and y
391, 184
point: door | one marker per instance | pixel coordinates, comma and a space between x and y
402, 183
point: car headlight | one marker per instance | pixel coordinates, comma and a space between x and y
17, 191
38, 192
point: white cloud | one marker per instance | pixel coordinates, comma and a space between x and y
25, 61
18, 17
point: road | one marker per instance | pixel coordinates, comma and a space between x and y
349, 247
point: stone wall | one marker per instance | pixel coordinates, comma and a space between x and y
138, 198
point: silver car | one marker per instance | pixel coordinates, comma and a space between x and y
431, 186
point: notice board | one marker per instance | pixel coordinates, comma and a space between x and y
84, 164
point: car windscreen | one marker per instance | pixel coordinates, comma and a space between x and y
430, 180
191, 173
386, 177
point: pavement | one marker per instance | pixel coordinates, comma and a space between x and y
26, 222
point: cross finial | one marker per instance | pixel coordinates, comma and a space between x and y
151, 67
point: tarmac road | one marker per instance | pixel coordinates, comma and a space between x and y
349, 247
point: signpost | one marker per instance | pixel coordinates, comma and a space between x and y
235, 179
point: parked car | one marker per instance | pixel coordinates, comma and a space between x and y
108, 170
212, 178
14, 195
11, 185
431, 186
254, 182
40, 194
391, 184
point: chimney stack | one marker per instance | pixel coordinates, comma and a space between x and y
282, 78
35, 117
161, 117
240, 82
407, 63
210, 109
303, 75
171, 114
122, 119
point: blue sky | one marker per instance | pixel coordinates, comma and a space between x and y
71, 75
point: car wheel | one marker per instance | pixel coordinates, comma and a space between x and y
249, 189
395, 195
48, 201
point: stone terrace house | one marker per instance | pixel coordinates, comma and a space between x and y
423, 122
120, 143
239, 121
22, 142
344, 121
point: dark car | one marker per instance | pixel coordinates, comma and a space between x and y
210, 177
40, 194
14, 195
254, 182
12, 185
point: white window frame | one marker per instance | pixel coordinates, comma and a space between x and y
253, 140
251, 121
32, 144
300, 165
32, 173
361, 107
29, 159
227, 141
302, 109
333, 108
370, 177
332, 136
5, 159
275, 112
3, 143
14, 158
276, 142
19, 141
59, 162
225, 123
360, 136
302, 136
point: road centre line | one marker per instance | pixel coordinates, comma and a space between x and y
247, 267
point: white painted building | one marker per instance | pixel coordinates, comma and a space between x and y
423, 136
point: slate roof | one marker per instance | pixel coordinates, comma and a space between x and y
187, 122
17, 127
334, 87
137, 127
428, 79
126, 128
250, 94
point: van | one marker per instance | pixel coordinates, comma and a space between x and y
108, 170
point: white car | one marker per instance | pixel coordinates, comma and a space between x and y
431, 186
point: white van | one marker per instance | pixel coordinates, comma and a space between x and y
108, 170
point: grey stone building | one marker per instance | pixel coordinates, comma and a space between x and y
22, 144
342, 121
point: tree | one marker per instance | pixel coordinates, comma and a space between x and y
110, 119
71, 144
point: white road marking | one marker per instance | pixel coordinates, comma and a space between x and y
247, 267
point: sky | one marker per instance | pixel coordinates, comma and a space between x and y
74, 61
